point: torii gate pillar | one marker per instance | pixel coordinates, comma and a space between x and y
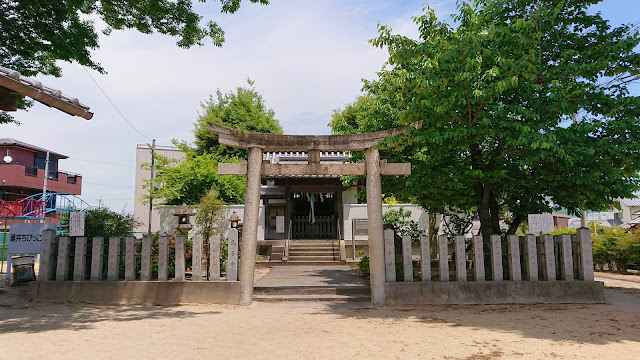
374, 214
250, 227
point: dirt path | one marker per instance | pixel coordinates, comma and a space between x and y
321, 331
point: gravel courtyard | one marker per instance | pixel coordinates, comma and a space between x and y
325, 331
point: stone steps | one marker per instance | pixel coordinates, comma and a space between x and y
313, 252
305, 298
313, 258
313, 290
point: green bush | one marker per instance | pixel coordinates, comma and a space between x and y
618, 245
363, 266
401, 225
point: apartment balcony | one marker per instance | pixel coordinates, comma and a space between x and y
26, 176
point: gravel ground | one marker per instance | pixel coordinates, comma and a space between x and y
326, 331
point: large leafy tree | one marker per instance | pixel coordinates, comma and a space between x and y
497, 95
189, 180
243, 109
35, 34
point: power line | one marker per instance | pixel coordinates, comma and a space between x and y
105, 163
118, 186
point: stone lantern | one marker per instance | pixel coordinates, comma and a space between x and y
234, 219
183, 217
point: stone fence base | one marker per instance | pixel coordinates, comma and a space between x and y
137, 292
500, 292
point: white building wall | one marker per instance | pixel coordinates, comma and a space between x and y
140, 209
359, 211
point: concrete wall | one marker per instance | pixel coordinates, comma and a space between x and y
502, 292
359, 211
137, 292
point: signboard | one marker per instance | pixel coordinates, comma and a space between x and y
540, 223
280, 224
76, 223
25, 239
360, 226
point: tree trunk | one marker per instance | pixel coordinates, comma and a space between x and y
483, 208
515, 224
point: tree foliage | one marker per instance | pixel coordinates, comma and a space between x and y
496, 95
103, 222
35, 34
187, 181
243, 109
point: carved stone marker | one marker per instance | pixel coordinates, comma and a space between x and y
214, 258
180, 252
496, 257
425, 260
443, 257
532, 257
586, 254
232, 256
145, 258
478, 257
97, 248
549, 258
113, 262
514, 257
567, 257
62, 268
407, 262
461, 259
196, 259
163, 258
80, 259
130, 259
389, 256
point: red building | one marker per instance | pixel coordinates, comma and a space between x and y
22, 172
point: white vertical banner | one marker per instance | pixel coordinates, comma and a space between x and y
76, 223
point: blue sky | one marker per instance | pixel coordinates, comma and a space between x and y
306, 58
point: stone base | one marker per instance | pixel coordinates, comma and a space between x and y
137, 292
504, 292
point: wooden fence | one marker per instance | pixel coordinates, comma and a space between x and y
496, 258
99, 259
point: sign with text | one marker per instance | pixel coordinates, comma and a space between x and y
76, 223
26, 238
280, 224
540, 223
360, 226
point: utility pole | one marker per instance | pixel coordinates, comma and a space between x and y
153, 164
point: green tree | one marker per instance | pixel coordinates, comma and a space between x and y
35, 34
243, 109
187, 181
101, 221
496, 95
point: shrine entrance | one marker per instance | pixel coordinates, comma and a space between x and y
314, 216
256, 169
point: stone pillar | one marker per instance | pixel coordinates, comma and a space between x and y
113, 261
232, 255
214, 258
196, 259
163, 258
425, 259
549, 258
130, 259
80, 259
180, 265
407, 262
389, 256
496, 257
532, 257
145, 258
250, 227
47, 256
461, 259
62, 268
586, 254
374, 214
478, 257
443, 257
97, 247
514, 257
567, 257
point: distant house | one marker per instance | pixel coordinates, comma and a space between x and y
630, 210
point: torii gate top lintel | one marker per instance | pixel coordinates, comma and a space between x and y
275, 142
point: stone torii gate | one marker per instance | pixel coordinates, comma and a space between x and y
254, 169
